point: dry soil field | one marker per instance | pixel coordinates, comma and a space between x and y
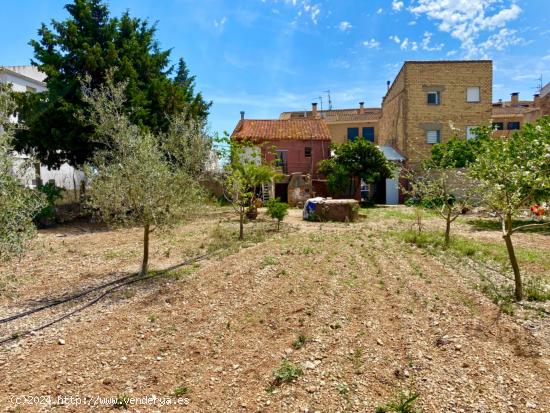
356, 313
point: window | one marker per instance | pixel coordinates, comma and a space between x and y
470, 134
282, 160
307, 152
433, 98
353, 133
368, 134
433, 136
513, 125
498, 125
472, 94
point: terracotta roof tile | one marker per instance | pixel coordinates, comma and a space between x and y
512, 110
276, 129
337, 115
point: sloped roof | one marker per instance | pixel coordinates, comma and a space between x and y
277, 129
512, 110
391, 153
337, 115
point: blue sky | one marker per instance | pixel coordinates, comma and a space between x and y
268, 56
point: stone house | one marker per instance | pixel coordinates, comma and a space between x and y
431, 101
511, 115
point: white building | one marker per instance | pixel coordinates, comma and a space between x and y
30, 79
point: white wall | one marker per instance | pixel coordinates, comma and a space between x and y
22, 78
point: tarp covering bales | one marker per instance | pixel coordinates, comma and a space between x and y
322, 209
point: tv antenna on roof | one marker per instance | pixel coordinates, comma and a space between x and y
538, 88
329, 100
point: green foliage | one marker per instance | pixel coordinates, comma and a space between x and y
133, 180
52, 194
287, 372
404, 404
458, 152
277, 210
515, 172
511, 175
18, 206
300, 341
358, 159
122, 401
180, 391
243, 175
91, 43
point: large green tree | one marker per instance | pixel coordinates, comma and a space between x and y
90, 43
352, 162
512, 174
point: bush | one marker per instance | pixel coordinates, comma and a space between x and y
287, 372
52, 193
277, 210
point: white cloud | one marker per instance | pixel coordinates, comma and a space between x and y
426, 43
467, 20
371, 44
547, 57
344, 25
395, 39
379, 11
397, 5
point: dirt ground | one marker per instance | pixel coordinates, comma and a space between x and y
376, 317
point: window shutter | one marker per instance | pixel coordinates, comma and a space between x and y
472, 94
353, 133
368, 134
470, 132
432, 136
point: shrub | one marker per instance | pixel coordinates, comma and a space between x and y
277, 210
287, 372
52, 194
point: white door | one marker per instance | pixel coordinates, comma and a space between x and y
392, 192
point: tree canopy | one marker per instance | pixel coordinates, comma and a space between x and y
457, 152
18, 205
133, 180
511, 175
354, 159
90, 43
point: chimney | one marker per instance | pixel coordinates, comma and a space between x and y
515, 99
361, 108
388, 83
314, 110
536, 98
242, 114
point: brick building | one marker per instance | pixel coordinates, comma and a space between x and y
297, 145
431, 101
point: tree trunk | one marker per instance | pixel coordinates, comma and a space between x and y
448, 230
513, 260
37, 175
241, 225
145, 262
278, 224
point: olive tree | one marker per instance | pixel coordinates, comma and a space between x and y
142, 178
244, 173
445, 190
512, 174
18, 205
